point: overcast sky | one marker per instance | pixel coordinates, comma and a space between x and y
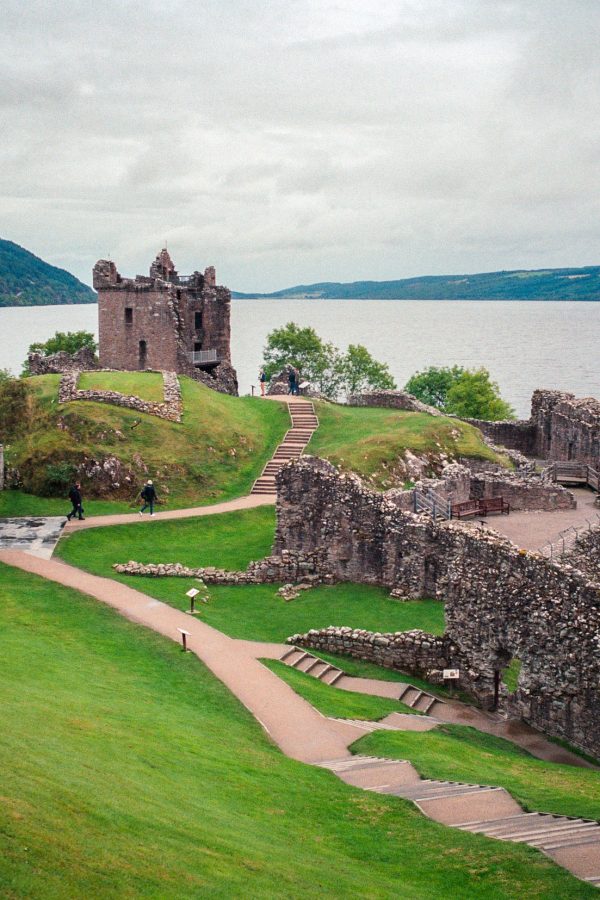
298, 141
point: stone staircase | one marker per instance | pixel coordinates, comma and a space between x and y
480, 809
304, 424
306, 662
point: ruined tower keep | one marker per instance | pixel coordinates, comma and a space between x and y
165, 321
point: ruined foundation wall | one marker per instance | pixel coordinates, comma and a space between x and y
500, 602
568, 428
520, 435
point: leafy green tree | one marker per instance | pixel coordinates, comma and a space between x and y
363, 373
321, 363
316, 361
432, 385
475, 396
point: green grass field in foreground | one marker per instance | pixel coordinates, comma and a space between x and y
459, 753
254, 612
147, 385
370, 441
333, 701
129, 771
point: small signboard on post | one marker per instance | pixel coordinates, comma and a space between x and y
192, 594
451, 674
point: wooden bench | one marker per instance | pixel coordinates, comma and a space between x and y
495, 505
466, 508
481, 507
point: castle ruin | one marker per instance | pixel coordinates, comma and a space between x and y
165, 321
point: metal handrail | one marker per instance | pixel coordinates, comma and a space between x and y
203, 356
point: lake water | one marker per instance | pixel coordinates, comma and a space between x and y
524, 345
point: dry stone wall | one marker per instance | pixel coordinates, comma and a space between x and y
500, 602
171, 408
62, 362
392, 400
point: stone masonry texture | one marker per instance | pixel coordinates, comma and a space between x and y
500, 602
158, 322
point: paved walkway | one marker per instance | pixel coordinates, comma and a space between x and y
38, 535
304, 734
532, 530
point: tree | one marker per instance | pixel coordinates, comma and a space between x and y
321, 363
363, 373
70, 342
432, 385
475, 396
316, 361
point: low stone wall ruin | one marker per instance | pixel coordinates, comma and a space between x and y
392, 400
171, 407
62, 362
500, 602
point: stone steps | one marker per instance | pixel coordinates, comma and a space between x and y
304, 424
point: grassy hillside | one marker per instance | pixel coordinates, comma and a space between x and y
129, 771
372, 442
520, 284
214, 454
253, 612
26, 280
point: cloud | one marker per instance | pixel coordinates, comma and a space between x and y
302, 140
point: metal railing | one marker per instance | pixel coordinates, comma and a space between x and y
567, 539
199, 357
432, 504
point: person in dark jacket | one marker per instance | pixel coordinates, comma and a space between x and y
292, 380
148, 495
76, 499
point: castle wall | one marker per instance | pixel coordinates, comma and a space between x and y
500, 602
152, 321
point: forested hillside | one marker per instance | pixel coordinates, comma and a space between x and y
541, 284
26, 280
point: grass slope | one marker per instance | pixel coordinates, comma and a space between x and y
129, 771
459, 753
147, 385
371, 441
254, 612
332, 701
214, 454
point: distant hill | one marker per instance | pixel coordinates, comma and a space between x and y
520, 284
26, 280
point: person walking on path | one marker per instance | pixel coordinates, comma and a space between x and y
263, 382
148, 495
77, 500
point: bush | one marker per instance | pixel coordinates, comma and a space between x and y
469, 393
68, 342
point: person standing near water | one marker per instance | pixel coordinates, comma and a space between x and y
263, 382
148, 495
292, 380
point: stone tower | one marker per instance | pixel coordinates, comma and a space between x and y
165, 321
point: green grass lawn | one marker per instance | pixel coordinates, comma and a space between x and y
129, 771
254, 612
332, 701
215, 454
370, 441
459, 753
147, 385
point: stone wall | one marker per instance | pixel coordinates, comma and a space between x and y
1, 467
522, 492
585, 554
392, 400
567, 428
61, 363
171, 408
500, 602
520, 435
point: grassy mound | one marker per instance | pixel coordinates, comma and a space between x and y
459, 753
129, 771
254, 612
372, 442
214, 454
147, 385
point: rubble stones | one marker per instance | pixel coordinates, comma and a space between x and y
62, 362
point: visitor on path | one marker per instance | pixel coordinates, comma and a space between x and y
76, 499
262, 377
148, 495
293, 384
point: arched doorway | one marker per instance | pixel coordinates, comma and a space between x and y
143, 355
